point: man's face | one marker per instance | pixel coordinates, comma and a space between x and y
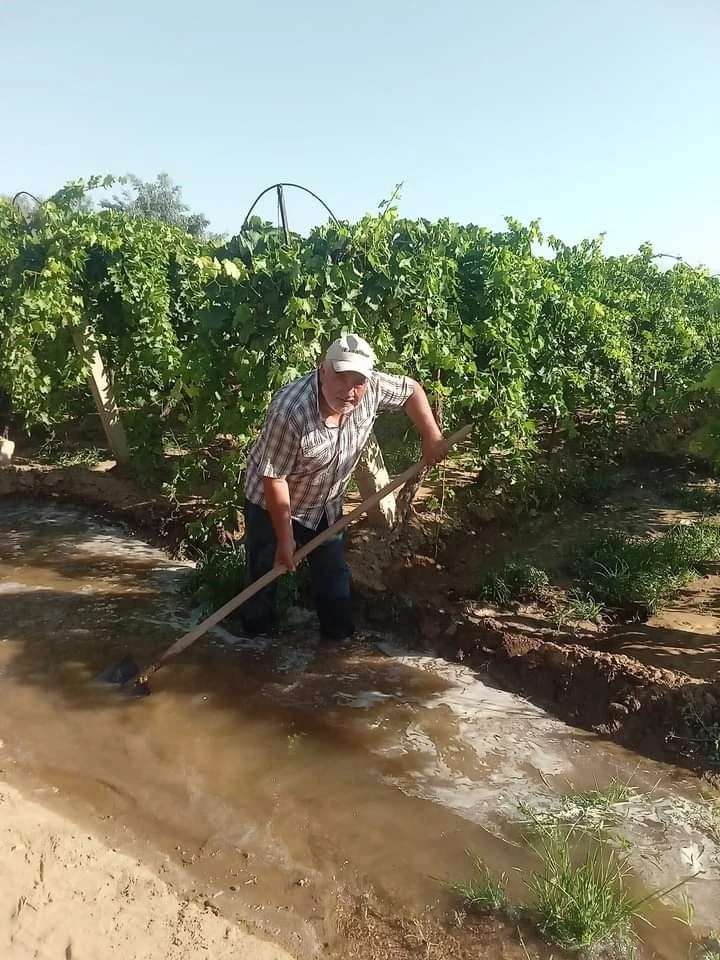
342, 391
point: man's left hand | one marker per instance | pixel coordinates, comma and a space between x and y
434, 450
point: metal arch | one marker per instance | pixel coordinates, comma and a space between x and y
279, 186
13, 202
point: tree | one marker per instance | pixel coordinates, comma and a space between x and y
158, 200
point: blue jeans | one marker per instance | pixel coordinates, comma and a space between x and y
329, 574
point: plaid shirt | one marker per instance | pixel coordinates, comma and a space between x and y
317, 460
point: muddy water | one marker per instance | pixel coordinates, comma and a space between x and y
283, 773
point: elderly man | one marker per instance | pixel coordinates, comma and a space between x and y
299, 468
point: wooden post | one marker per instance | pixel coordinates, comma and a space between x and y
371, 476
102, 395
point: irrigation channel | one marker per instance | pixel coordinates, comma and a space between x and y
279, 775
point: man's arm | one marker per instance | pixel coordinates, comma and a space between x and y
418, 409
396, 392
277, 500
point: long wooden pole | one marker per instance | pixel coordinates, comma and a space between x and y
184, 642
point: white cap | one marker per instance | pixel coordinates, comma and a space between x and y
351, 353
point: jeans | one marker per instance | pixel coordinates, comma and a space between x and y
329, 574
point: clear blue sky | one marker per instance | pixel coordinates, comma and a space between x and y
593, 115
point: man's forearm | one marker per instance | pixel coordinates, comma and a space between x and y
277, 499
418, 409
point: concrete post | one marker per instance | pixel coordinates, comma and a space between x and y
371, 476
103, 396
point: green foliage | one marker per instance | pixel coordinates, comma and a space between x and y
700, 497
219, 575
642, 573
578, 607
702, 731
159, 200
579, 888
56, 453
515, 580
707, 948
515, 342
580, 901
111, 278
482, 893
583, 809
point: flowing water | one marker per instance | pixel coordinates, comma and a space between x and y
281, 773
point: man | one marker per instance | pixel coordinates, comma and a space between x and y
299, 468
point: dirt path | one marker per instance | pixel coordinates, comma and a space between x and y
63, 893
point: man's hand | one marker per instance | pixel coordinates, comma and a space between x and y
284, 553
434, 450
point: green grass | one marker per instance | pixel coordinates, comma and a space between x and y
702, 732
220, 574
579, 890
698, 497
625, 572
516, 580
580, 902
578, 608
53, 452
539, 485
617, 791
582, 807
482, 893
708, 948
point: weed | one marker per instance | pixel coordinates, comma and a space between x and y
617, 791
583, 806
53, 452
707, 948
699, 497
220, 574
482, 893
583, 901
623, 571
579, 894
702, 729
578, 608
536, 485
515, 580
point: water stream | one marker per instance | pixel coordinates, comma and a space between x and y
282, 772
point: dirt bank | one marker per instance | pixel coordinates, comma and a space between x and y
64, 893
651, 710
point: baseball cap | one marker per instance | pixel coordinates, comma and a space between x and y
351, 353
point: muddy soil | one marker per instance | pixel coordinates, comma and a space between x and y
317, 795
633, 683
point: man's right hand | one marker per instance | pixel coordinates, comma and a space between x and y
284, 553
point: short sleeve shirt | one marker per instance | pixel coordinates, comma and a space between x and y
317, 460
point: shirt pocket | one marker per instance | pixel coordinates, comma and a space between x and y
318, 455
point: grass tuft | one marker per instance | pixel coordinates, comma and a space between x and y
55, 453
579, 892
583, 807
702, 729
220, 574
578, 608
482, 893
516, 580
625, 572
699, 497
580, 902
617, 791
707, 948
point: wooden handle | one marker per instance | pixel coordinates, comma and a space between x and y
184, 642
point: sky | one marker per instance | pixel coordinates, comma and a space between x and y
593, 117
